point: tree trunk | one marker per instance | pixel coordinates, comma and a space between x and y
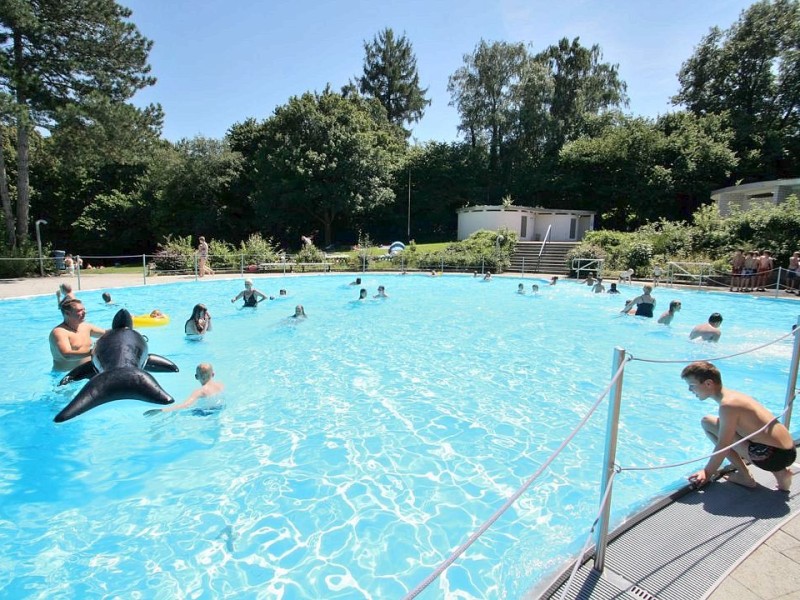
8, 214
23, 197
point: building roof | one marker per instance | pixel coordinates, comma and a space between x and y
529, 209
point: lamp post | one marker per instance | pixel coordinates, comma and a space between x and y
39, 243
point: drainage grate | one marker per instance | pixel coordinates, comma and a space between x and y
638, 592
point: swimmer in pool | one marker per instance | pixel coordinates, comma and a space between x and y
613, 288
381, 292
157, 314
71, 340
362, 295
299, 312
708, 332
250, 294
739, 416
107, 298
208, 388
534, 289
644, 303
521, 289
199, 322
356, 282
554, 280
666, 317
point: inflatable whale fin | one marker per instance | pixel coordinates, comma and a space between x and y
159, 364
122, 319
85, 371
117, 384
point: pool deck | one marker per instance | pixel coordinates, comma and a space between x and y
765, 568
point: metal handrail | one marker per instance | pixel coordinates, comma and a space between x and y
541, 250
583, 265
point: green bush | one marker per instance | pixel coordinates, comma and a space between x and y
309, 254
637, 255
256, 250
222, 256
175, 254
490, 249
23, 261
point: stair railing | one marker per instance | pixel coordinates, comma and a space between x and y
541, 250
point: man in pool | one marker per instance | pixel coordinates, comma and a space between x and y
71, 340
208, 389
740, 416
708, 332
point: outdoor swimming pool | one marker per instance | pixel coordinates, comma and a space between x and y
357, 448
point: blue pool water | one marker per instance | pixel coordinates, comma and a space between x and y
358, 448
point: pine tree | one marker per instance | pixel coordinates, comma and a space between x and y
391, 77
56, 57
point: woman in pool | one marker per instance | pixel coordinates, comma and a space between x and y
299, 312
362, 295
251, 295
200, 321
644, 303
520, 289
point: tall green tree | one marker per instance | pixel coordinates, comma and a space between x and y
634, 171
324, 157
56, 55
485, 92
751, 73
390, 76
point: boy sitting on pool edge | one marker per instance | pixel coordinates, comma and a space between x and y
740, 416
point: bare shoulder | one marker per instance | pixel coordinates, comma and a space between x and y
737, 401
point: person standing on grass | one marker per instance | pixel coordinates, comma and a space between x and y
739, 416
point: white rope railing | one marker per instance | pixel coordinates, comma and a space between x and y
513, 498
607, 492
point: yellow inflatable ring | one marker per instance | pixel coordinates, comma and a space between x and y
148, 321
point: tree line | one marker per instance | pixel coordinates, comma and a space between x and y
539, 128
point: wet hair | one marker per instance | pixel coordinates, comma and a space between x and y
358, 280
198, 311
674, 304
715, 318
106, 297
68, 304
701, 371
362, 293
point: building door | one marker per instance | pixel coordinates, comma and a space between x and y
573, 228
523, 228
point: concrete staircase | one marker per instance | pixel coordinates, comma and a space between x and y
553, 260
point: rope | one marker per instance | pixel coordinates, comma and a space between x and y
513, 498
690, 360
603, 502
720, 451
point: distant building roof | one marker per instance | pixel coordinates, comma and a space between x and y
529, 209
751, 195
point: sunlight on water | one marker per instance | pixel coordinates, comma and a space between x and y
358, 448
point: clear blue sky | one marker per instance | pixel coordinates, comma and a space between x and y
219, 62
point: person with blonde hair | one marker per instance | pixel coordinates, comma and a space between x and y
644, 303
209, 388
251, 295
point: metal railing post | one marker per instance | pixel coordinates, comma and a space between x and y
241, 266
78, 269
791, 384
523, 267
483, 264
612, 430
144, 269
441, 269
195, 267
778, 282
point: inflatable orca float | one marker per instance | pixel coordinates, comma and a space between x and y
116, 371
